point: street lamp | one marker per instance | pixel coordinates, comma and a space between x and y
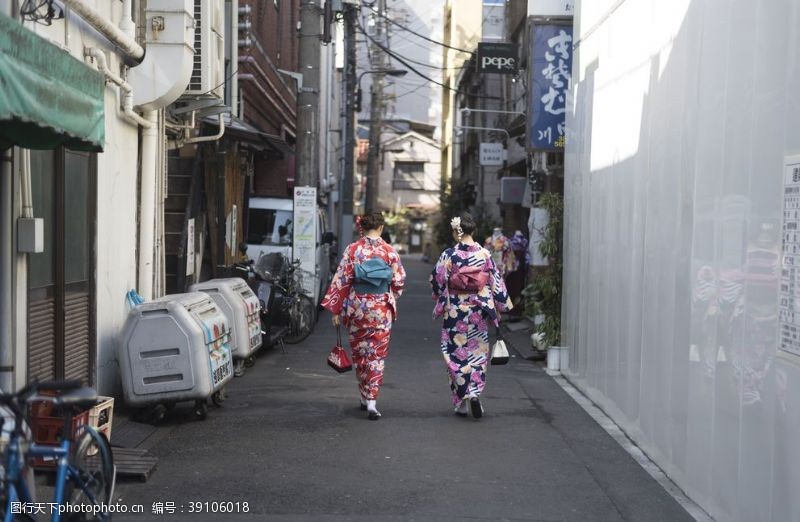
387, 72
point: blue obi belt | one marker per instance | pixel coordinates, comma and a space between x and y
372, 276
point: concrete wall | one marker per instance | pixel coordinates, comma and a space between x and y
682, 114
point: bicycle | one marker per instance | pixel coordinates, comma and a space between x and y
302, 309
84, 476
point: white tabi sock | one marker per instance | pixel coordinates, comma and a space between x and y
371, 406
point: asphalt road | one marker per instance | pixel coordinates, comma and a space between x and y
292, 443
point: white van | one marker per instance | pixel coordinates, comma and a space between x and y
269, 229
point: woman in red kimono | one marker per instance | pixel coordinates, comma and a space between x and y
364, 293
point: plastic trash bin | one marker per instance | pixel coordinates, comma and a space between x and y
240, 305
174, 349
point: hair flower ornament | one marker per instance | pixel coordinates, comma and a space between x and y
455, 224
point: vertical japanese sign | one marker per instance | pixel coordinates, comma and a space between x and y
304, 238
550, 77
790, 272
190, 247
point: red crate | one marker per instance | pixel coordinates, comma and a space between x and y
48, 428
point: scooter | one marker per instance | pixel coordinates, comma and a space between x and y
260, 278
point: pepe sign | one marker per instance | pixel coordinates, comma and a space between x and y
498, 58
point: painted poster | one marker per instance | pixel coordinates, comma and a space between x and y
550, 77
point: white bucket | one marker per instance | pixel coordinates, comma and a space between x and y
553, 358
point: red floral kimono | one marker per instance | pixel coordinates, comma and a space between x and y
368, 317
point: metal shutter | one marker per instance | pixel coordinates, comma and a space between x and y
42, 340
77, 337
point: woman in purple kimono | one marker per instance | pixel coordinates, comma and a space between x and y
470, 294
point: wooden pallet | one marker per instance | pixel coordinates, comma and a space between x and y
134, 463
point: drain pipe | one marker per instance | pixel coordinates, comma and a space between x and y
126, 24
6, 262
214, 137
127, 91
127, 44
147, 211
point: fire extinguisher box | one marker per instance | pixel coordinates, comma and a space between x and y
240, 305
176, 348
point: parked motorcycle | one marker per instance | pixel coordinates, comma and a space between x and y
287, 314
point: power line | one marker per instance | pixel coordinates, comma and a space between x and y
412, 69
401, 60
405, 28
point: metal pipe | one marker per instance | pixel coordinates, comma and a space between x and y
25, 183
6, 262
470, 109
215, 137
147, 205
497, 129
126, 24
127, 44
235, 26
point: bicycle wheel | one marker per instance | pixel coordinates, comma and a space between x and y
301, 320
94, 484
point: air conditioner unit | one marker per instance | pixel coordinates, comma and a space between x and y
208, 73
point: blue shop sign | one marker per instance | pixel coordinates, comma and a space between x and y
551, 74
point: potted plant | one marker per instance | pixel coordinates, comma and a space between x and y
543, 294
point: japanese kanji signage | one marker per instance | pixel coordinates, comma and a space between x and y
304, 244
550, 73
790, 273
492, 154
498, 58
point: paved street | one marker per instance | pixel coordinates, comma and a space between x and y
293, 444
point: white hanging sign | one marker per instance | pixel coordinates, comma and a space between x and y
492, 154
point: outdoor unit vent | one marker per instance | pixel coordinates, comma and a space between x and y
512, 190
208, 73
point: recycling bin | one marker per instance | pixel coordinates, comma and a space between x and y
173, 349
240, 305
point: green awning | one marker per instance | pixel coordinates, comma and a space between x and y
48, 97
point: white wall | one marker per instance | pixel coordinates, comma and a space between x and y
117, 186
683, 112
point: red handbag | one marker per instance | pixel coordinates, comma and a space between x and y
468, 278
338, 359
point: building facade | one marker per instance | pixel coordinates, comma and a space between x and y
462, 31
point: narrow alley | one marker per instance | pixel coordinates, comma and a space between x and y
292, 443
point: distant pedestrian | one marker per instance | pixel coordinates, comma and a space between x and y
364, 293
469, 293
386, 237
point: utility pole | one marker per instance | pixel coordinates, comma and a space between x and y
376, 110
308, 93
348, 130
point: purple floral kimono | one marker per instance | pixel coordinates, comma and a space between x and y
465, 332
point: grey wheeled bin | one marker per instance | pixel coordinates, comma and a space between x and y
175, 349
240, 305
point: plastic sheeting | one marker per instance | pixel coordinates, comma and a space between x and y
682, 114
